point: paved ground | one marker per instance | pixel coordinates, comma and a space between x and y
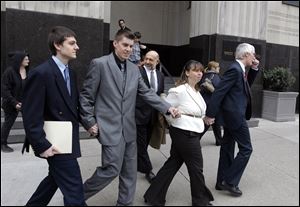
270, 179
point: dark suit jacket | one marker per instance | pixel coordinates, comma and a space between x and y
46, 98
231, 101
143, 111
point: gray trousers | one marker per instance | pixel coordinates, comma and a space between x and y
118, 160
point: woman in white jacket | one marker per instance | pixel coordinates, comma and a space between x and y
185, 133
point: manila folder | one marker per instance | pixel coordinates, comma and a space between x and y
59, 134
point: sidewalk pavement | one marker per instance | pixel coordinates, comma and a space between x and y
270, 179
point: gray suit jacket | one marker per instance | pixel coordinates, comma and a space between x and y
102, 99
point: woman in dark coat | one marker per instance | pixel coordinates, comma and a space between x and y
211, 73
13, 82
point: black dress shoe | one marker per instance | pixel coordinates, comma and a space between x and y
154, 204
5, 148
208, 204
150, 176
234, 190
219, 186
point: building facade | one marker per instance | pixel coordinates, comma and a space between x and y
179, 31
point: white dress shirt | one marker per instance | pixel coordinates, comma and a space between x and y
148, 71
187, 101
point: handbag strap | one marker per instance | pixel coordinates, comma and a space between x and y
212, 76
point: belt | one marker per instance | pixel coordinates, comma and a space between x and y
191, 115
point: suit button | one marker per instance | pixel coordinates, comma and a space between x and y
60, 113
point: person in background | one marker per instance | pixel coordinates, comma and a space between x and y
232, 99
145, 115
135, 56
211, 73
51, 94
122, 25
13, 83
185, 134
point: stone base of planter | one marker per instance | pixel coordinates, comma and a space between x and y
279, 106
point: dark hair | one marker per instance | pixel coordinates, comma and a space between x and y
190, 65
58, 35
16, 58
137, 35
121, 20
124, 33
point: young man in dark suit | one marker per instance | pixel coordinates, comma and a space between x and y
51, 95
232, 101
145, 114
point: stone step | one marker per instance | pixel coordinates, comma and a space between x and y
2, 114
18, 123
18, 135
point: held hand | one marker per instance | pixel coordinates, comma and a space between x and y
94, 130
50, 152
208, 121
174, 112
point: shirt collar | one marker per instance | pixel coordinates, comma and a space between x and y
60, 65
242, 65
118, 61
148, 69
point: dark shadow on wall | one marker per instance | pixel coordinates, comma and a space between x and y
29, 30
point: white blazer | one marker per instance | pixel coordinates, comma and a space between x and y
189, 103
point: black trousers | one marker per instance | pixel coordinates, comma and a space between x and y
185, 148
65, 175
10, 117
216, 129
231, 167
143, 138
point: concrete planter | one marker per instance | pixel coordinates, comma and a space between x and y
279, 106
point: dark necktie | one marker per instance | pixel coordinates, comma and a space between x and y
122, 67
67, 79
152, 80
124, 75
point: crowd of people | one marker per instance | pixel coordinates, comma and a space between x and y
119, 104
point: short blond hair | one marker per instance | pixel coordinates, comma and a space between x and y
212, 64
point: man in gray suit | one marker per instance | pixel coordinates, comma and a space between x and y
107, 110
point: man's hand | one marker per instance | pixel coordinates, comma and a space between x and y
50, 152
174, 112
208, 121
94, 130
143, 47
255, 64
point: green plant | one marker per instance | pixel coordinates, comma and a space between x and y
278, 79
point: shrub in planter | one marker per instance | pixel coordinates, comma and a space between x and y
278, 79
278, 103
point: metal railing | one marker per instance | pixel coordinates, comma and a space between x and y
162, 68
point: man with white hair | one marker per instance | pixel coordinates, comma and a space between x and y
232, 102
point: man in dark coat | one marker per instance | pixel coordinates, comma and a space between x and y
232, 101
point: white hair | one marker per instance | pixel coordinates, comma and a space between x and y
243, 49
